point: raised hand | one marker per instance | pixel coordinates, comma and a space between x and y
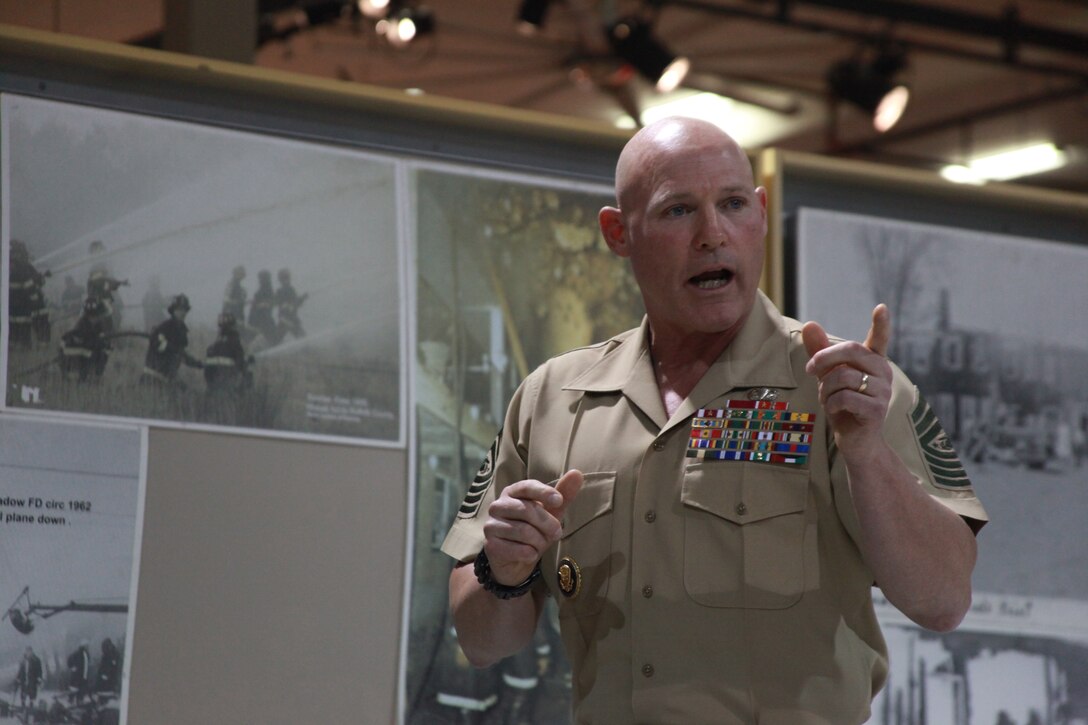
523, 522
855, 380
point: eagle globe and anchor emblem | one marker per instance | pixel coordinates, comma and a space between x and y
569, 575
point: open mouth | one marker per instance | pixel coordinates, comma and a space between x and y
713, 279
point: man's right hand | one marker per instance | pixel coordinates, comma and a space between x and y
523, 522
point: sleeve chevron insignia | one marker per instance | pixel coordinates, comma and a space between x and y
941, 459
481, 483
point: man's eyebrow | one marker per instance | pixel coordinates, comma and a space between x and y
682, 195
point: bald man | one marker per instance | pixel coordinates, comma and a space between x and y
710, 497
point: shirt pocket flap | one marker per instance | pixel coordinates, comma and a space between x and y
595, 499
764, 491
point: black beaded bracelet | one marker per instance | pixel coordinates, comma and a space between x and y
482, 568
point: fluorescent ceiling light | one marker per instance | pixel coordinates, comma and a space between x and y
707, 106
749, 125
1006, 165
961, 174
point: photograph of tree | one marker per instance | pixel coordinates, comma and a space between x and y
991, 328
511, 271
169, 271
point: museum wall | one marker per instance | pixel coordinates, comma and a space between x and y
284, 559
271, 548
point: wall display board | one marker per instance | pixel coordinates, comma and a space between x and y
276, 579
511, 270
71, 506
186, 274
991, 328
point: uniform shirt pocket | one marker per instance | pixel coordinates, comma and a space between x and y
745, 534
587, 541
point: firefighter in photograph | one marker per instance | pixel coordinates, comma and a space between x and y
288, 302
85, 349
29, 678
226, 368
79, 674
260, 312
104, 286
167, 346
234, 298
28, 316
108, 678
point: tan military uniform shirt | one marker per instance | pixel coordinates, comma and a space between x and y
695, 589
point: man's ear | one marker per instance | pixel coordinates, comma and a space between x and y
612, 227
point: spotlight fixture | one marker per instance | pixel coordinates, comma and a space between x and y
406, 25
871, 86
531, 16
633, 41
374, 8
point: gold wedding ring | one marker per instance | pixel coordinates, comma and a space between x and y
864, 383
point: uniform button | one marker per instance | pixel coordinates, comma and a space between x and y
650, 517
648, 670
741, 509
659, 445
647, 591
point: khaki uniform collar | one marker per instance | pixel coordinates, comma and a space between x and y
757, 357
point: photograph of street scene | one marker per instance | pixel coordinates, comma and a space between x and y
992, 330
182, 273
69, 512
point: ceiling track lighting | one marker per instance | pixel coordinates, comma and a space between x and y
375, 8
531, 16
633, 41
406, 24
871, 85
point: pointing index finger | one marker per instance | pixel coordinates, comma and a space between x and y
880, 331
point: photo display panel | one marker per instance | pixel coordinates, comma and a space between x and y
511, 270
185, 274
991, 328
70, 524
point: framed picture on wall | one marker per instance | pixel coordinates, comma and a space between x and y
512, 270
187, 274
71, 512
993, 331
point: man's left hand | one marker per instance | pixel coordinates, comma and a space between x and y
855, 381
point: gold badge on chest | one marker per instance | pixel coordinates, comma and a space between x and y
569, 575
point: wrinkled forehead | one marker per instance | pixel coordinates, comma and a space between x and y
677, 164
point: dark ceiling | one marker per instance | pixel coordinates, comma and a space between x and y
983, 77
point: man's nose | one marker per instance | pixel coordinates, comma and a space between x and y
712, 232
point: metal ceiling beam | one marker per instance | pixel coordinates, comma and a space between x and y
1006, 28
1009, 34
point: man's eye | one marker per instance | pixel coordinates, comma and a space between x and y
676, 211
735, 203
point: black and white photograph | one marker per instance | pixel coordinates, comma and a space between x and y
182, 273
511, 271
992, 330
71, 499
1013, 661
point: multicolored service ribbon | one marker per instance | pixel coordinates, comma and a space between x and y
765, 431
